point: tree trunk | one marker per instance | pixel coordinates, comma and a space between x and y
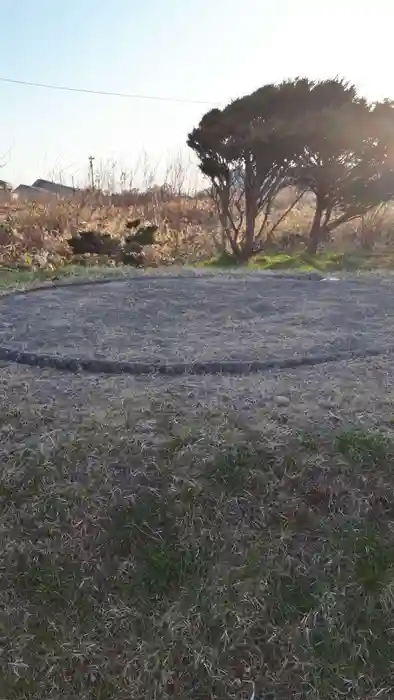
315, 234
222, 202
248, 243
250, 213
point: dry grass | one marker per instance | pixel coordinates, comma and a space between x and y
194, 537
36, 233
187, 538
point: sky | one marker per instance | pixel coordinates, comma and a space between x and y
207, 51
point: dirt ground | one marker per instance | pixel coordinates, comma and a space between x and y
358, 391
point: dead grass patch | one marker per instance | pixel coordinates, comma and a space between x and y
35, 233
156, 542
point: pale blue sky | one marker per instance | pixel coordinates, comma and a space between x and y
209, 50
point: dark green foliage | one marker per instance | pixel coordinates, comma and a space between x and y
133, 255
133, 252
319, 136
129, 251
93, 243
246, 154
346, 163
144, 236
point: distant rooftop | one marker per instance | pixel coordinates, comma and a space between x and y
34, 193
53, 187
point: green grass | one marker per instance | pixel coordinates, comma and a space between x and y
19, 279
299, 262
193, 570
362, 447
326, 261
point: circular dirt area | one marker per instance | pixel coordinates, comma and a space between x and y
244, 318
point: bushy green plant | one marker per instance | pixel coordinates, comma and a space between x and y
128, 250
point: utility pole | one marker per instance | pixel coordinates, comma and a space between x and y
91, 171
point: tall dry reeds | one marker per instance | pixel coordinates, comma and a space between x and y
188, 225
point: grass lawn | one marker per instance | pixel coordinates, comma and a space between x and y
325, 261
190, 570
20, 279
186, 559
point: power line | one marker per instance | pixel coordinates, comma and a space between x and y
128, 95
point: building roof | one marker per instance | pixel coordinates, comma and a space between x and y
54, 187
29, 189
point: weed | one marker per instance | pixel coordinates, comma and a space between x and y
308, 441
232, 470
363, 447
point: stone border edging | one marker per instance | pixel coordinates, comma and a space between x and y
96, 366
59, 285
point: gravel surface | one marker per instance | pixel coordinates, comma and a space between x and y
206, 317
